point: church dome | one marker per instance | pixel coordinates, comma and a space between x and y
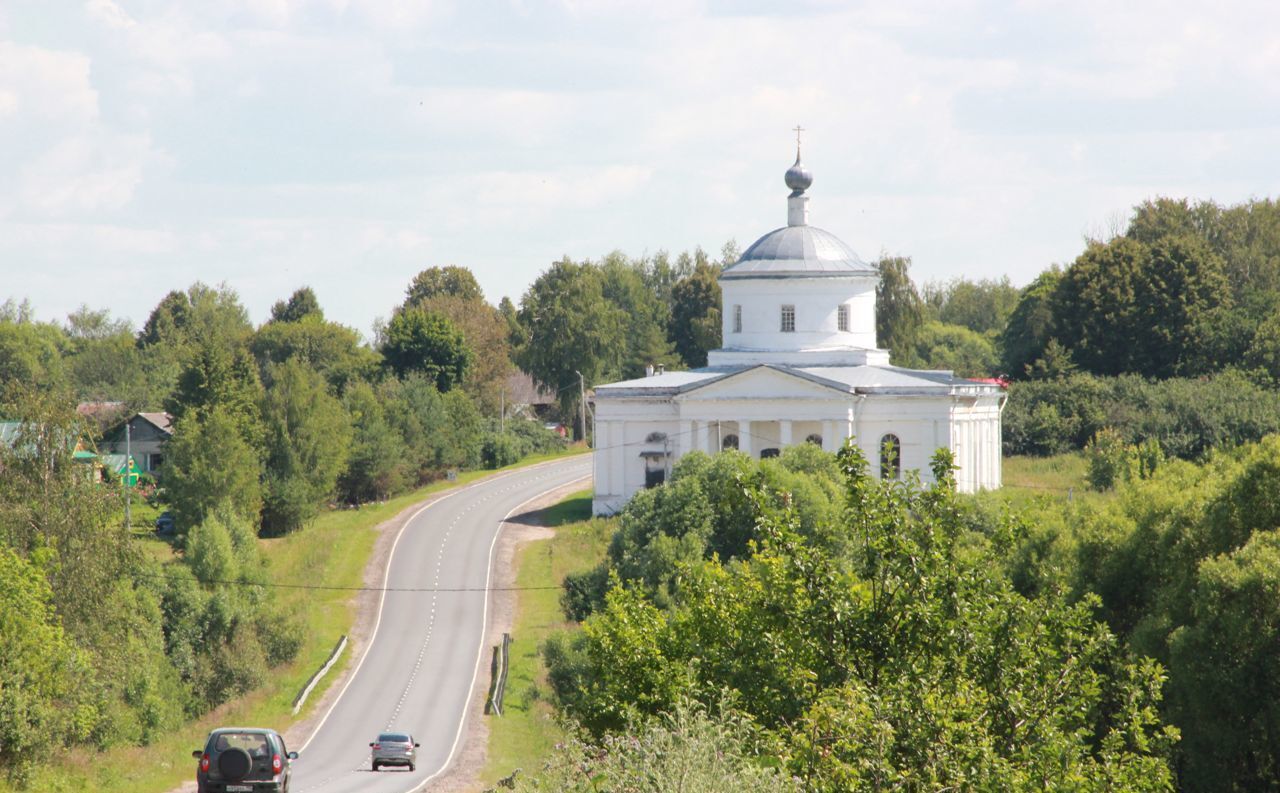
798, 251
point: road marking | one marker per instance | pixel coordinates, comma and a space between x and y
466, 702
386, 572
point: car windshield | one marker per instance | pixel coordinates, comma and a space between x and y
254, 743
393, 737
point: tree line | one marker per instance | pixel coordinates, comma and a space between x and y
1168, 331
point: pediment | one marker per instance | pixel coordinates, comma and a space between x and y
763, 382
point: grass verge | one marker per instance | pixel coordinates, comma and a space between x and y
335, 549
527, 732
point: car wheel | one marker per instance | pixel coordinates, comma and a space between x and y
411, 767
375, 766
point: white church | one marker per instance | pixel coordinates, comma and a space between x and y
799, 365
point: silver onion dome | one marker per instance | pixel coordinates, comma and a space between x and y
798, 177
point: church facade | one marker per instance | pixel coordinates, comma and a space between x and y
799, 365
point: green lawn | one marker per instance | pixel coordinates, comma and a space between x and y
334, 549
526, 732
1062, 476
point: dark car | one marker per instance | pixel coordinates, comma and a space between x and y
394, 748
244, 760
164, 524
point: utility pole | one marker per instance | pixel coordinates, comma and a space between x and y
128, 456
582, 404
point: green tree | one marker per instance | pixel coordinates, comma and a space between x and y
208, 462
333, 350
223, 379
1097, 312
308, 439
940, 346
302, 304
378, 465
30, 353
168, 321
911, 660
572, 328
487, 337
899, 309
419, 341
646, 332
695, 314
42, 702
1030, 326
981, 306
1182, 284
451, 281
1224, 671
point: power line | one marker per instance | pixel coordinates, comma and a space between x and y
334, 588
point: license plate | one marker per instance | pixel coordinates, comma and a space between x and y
239, 788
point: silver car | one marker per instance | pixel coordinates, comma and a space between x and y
394, 748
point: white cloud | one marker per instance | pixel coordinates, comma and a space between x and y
46, 86
86, 174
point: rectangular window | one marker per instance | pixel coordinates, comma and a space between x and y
842, 318
788, 319
737, 319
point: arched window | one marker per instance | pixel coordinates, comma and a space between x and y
765, 454
890, 457
729, 442
656, 437
815, 439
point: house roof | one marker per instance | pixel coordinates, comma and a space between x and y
522, 390
161, 421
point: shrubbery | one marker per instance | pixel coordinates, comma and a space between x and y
1188, 417
879, 647
1184, 563
520, 439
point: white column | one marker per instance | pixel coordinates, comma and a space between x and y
619, 454
785, 434
700, 442
744, 437
687, 431
829, 443
604, 453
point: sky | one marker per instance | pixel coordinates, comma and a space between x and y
346, 145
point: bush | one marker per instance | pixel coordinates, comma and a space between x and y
519, 440
1188, 417
499, 450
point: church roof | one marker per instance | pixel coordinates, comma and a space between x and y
850, 379
798, 251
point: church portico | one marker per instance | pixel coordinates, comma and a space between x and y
798, 365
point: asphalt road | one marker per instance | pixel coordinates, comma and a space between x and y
420, 667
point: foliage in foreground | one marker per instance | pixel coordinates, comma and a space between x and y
910, 663
1184, 564
686, 751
